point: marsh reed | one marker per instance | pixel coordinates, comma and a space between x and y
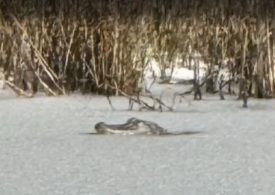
102, 46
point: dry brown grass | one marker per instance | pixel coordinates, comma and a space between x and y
97, 46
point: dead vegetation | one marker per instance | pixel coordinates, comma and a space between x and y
103, 47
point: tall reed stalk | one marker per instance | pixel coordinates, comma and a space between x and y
101, 46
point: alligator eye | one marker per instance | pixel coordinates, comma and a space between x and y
130, 120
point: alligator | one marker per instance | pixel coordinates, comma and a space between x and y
134, 126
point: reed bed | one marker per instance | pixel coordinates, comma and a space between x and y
103, 46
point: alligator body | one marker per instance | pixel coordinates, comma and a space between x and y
132, 126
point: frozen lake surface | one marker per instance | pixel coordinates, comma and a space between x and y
44, 148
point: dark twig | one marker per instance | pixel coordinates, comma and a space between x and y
142, 103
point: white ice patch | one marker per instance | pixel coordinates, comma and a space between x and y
152, 70
179, 74
224, 74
